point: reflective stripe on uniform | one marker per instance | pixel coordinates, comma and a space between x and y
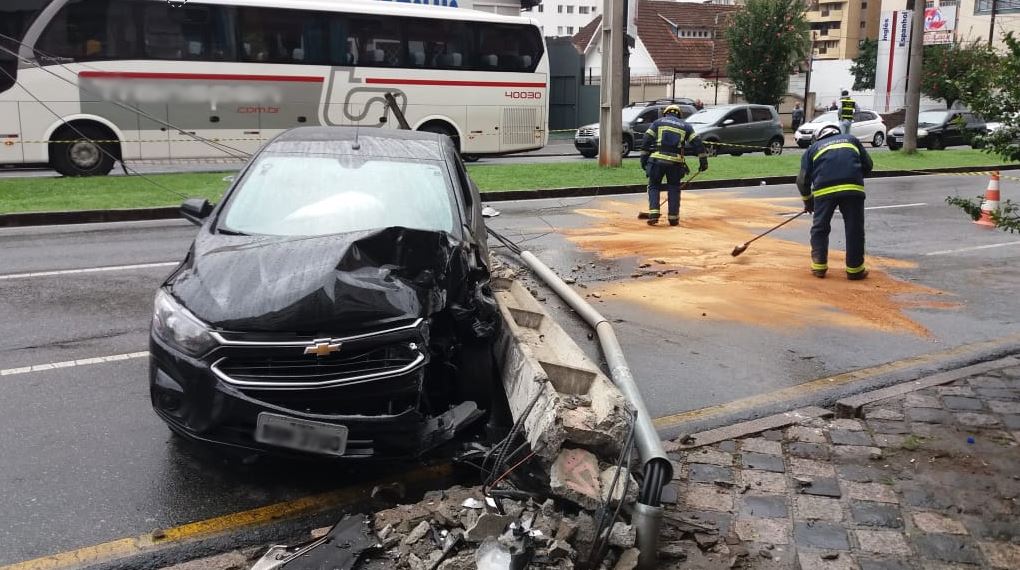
658, 144
838, 188
820, 266
853, 270
851, 146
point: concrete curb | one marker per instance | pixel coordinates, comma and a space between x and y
172, 212
851, 407
826, 397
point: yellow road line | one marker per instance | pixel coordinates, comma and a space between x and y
125, 547
813, 386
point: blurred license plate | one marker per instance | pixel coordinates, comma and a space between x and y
583, 140
303, 435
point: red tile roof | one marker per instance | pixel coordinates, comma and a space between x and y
583, 36
685, 55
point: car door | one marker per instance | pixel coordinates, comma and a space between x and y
760, 128
952, 133
734, 130
642, 122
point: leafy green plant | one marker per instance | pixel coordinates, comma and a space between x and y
953, 72
767, 39
863, 68
971, 206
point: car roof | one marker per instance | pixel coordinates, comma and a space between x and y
371, 142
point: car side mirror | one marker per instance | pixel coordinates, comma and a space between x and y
196, 210
727, 122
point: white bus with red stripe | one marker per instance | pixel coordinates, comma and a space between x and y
217, 78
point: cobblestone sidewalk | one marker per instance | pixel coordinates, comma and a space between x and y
926, 481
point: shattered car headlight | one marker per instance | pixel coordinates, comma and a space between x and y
177, 326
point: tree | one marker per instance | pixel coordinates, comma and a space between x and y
767, 40
952, 70
863, 68
999, 101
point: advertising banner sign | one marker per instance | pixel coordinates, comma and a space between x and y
891, 67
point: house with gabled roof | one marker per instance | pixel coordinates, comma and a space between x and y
682, 42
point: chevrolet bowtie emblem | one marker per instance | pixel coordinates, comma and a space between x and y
323, 347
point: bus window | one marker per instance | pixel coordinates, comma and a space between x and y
375, 41
92, 30
437, 44
188, 32
503, 47
14, 20
269, 35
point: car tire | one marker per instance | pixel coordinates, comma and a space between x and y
628, 146
589, 154
775, 147
736, 153
803, 144
710, 148
878, 140
892, 145
82, 157
936, 143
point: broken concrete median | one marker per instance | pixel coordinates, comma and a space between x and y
555, 489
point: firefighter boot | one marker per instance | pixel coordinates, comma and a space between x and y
653, 217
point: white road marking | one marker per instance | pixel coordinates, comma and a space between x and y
974, 248
73, 363
896, 206
87, 270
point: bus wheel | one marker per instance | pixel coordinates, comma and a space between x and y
441, 128
73, 152
469, 157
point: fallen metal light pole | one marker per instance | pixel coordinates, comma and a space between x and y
658, 470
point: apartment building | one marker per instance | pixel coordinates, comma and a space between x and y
837, 27
563, 18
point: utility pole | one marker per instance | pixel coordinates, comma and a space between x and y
914, 78
809, 110
991, 25
614, 30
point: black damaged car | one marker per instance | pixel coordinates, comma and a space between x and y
335, 303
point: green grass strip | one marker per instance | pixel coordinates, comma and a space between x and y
114, 192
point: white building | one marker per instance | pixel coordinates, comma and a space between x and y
560, 18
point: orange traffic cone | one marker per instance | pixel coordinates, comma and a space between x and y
991, 203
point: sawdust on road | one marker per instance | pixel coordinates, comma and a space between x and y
691, 273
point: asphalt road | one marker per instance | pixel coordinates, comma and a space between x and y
86, 460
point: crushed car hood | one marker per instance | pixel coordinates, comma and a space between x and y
326, 284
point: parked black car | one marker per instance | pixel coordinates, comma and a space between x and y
637, 117
938, 128
335, 303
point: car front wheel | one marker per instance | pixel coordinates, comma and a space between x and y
878, 139
936, 143
775, 147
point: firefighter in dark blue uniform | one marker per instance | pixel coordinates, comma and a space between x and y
831, 176
662, 156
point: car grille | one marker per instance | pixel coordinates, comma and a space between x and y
585, 132
265, 370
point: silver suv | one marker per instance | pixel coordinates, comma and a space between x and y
637, 117
739, 129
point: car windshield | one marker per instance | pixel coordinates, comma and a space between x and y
708, 116
631, 113
825, 118
314, 195
931, 117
